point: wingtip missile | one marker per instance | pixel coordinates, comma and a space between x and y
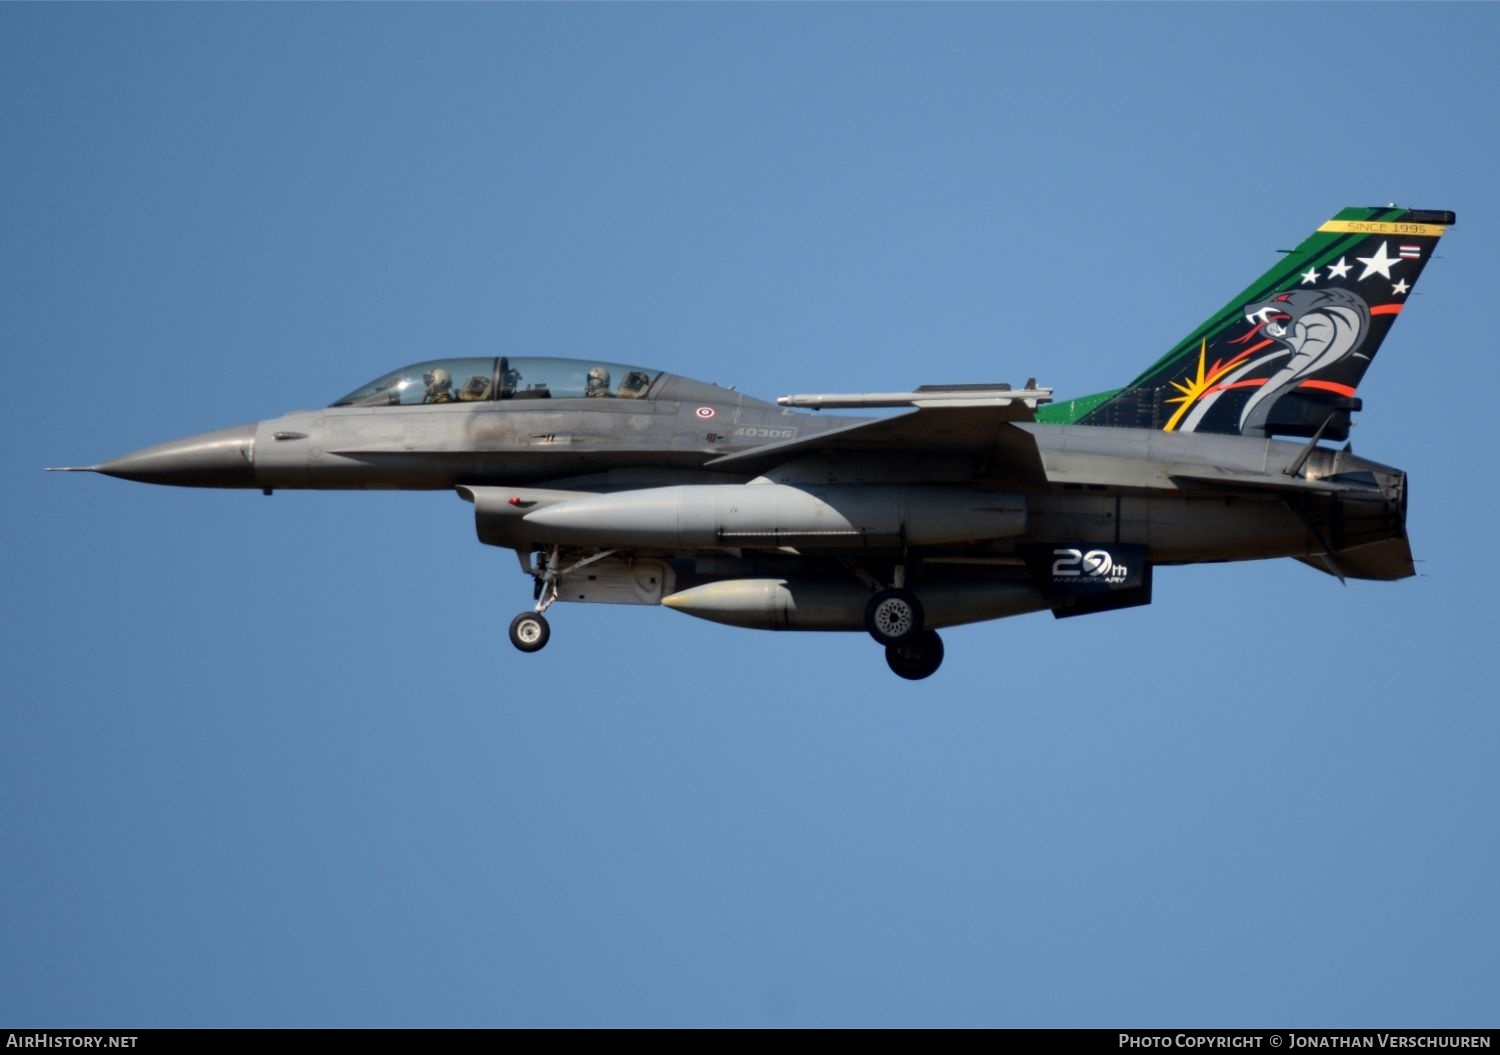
925, 396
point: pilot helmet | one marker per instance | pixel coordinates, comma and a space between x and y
598, 378
438, 378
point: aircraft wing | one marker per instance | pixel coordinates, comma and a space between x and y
982, 433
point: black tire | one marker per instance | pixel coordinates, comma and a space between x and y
529, 632
916, 659
894, 616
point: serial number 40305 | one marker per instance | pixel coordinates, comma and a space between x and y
756, 432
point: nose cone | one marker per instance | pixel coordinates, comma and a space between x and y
222, 458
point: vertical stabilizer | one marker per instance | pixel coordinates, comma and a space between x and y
1286, 356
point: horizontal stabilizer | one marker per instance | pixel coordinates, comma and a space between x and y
1382, 561
1278, 484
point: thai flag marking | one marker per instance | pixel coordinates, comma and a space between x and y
1411, 252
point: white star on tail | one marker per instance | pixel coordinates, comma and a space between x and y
1400, 287
1311, 276
1339, 270
1380, 263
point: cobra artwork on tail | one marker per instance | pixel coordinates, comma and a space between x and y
1285, 357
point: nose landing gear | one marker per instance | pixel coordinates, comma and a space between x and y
529, 631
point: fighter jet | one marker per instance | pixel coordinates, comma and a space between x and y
617, 483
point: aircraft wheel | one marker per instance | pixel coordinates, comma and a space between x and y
918, 658
529, 631
893, 617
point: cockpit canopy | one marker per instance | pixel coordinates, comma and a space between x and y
501, 377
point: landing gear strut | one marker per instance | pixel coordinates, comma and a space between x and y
529, 631
918, 658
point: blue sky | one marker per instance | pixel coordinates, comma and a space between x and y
270, 761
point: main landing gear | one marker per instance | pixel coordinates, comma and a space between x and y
918, 658
894, 616
895, 619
